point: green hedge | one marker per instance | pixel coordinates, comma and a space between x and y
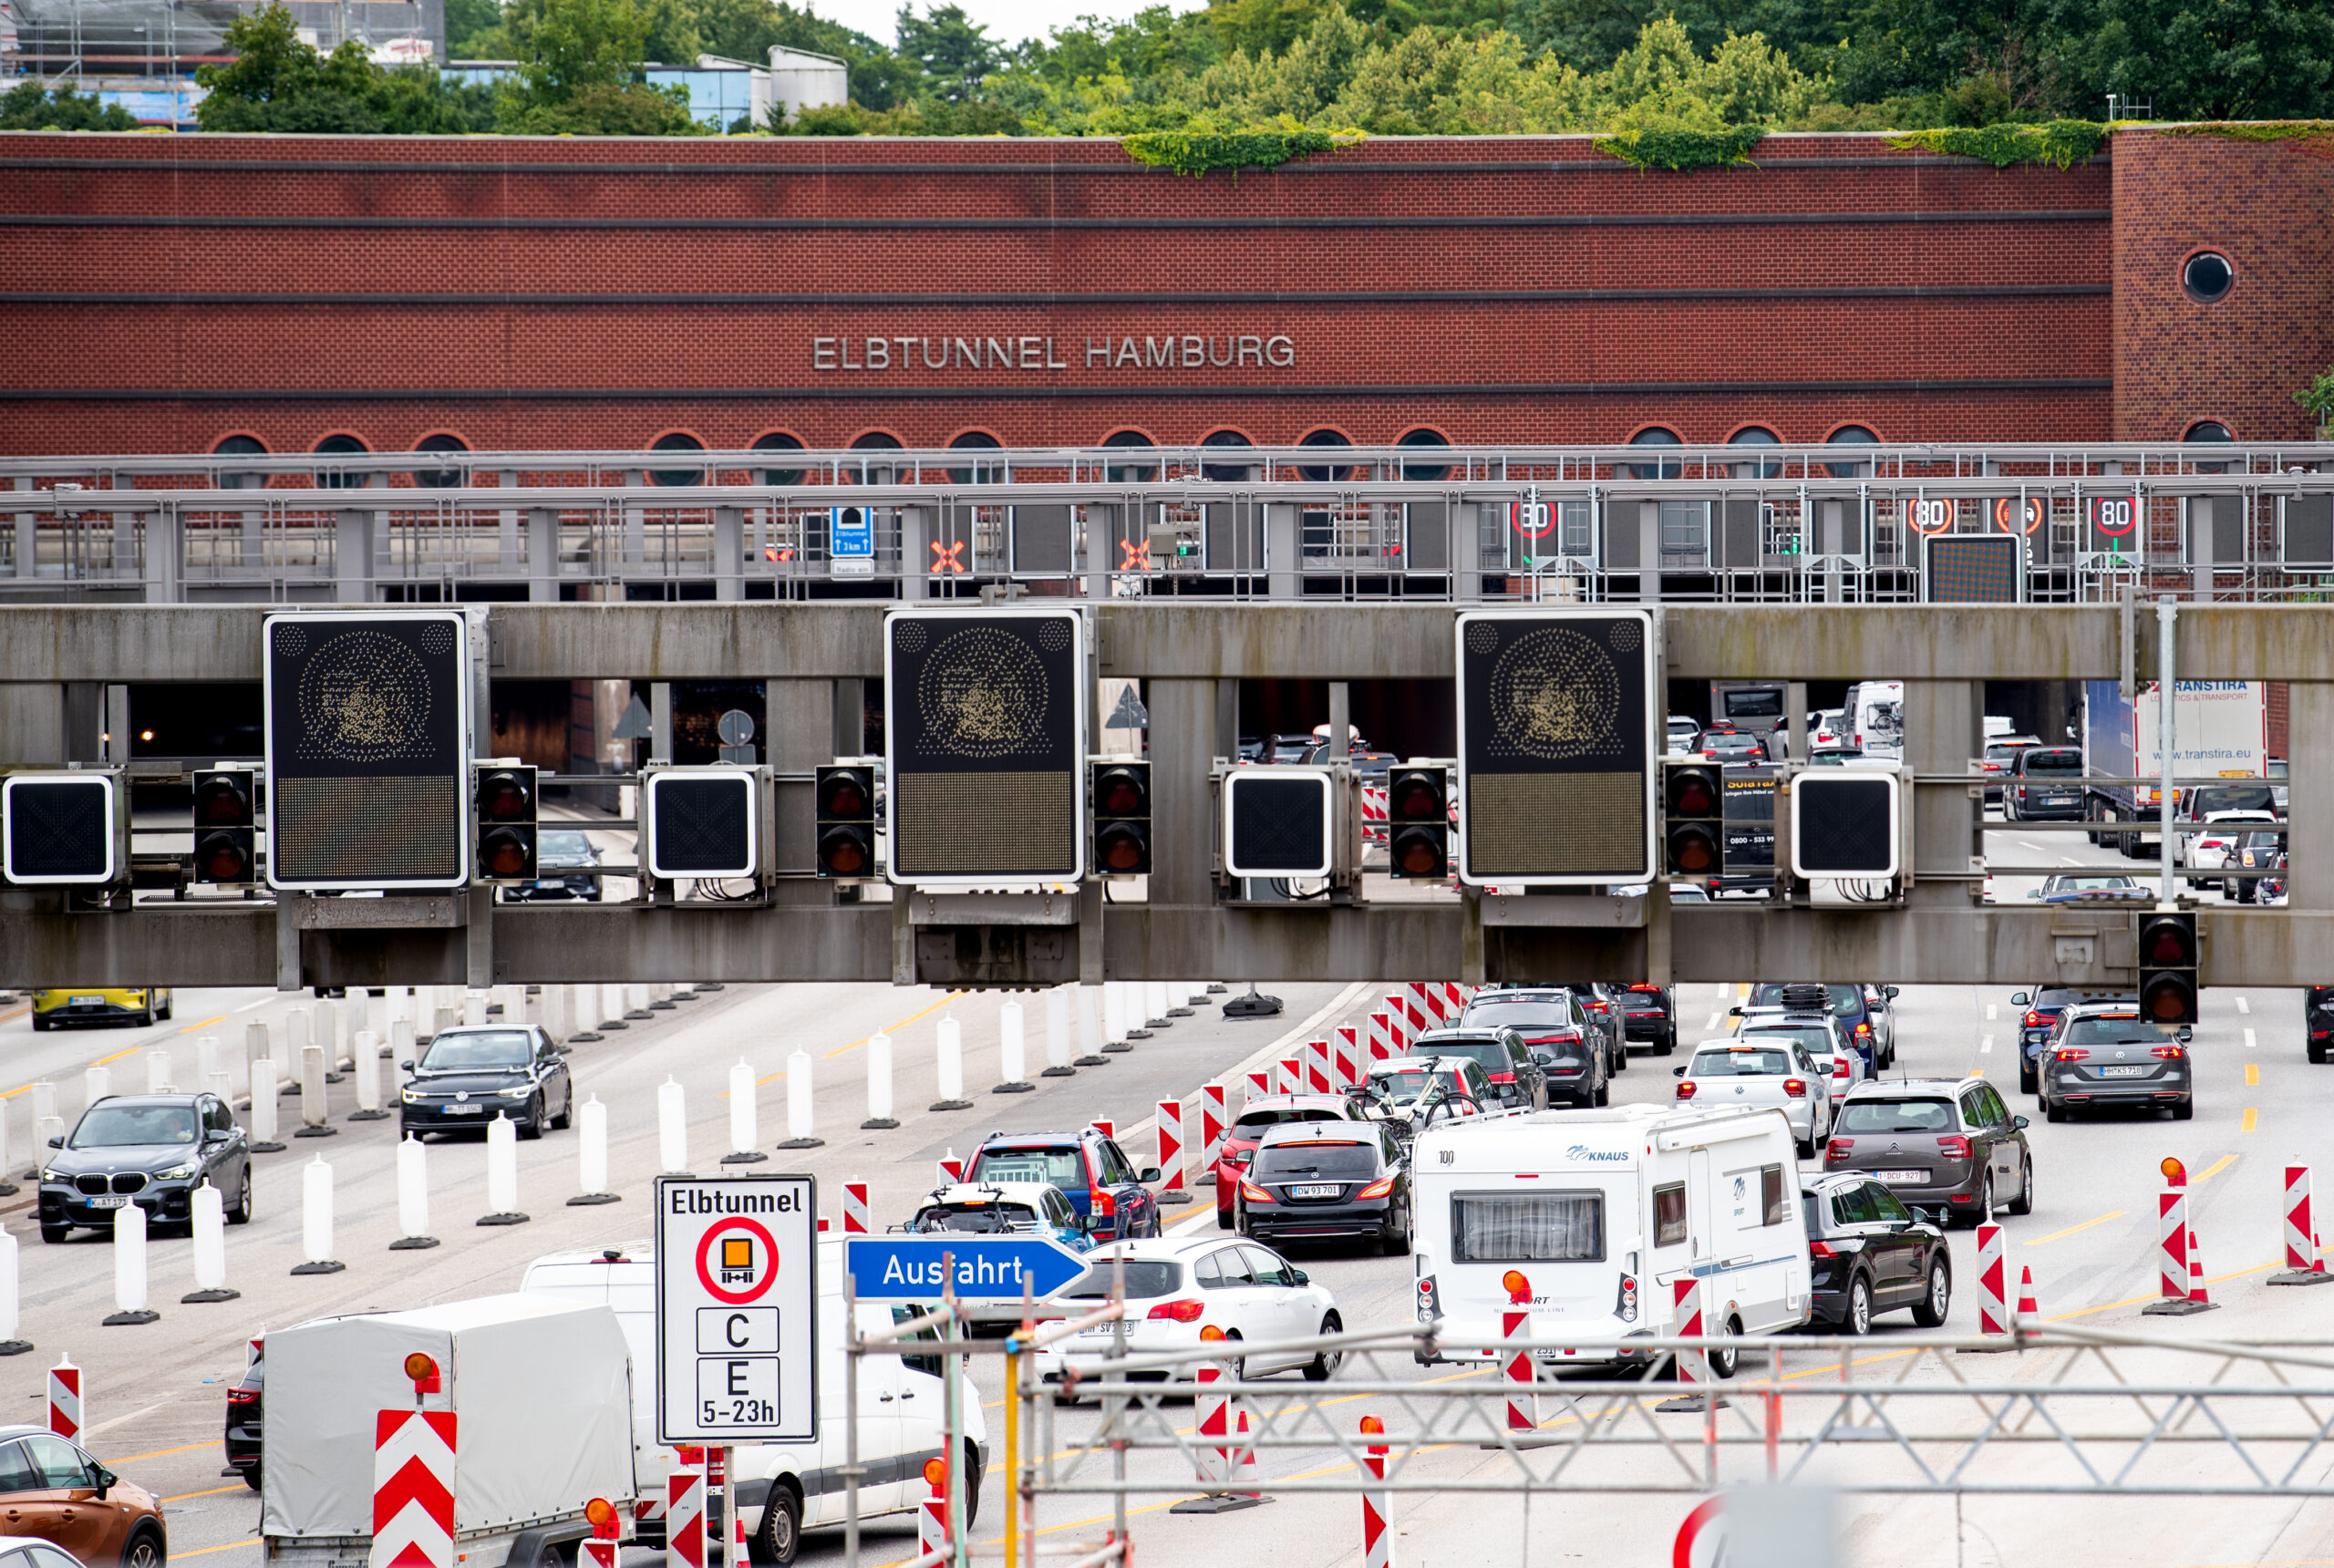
2252, 131
1195, 153
2062, 142
1668, 147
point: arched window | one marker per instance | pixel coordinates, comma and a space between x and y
1226, 473
875, 441
1133, 474
1424, 473
1756, 436
1851, 436
342, 444
981, 473
1323, 475
439, 479
677, 441
239, 446
1656, 435
778, 441
2208, 276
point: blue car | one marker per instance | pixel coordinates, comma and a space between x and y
1093, 1172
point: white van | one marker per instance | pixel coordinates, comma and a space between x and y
1601, 1212
900, 1407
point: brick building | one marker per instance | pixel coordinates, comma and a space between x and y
172, 293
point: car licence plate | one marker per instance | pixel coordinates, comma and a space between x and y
88, 1002
110, 1201
2124, 1072
463, 1109
1912, 1178
1315, 1190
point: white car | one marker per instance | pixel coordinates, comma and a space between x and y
1782, 1074
1176, 1287
1841, 1064
1423, 1090
2209, 850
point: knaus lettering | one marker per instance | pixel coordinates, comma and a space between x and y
1175, 351
1582, 1151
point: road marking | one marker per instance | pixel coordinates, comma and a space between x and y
204, 1024
247, 1007
2252, 1075
165, 1453
1986, 1045
1713, 1023
2216, 1166
2140, 1300
2251, 1115
2030, 844
2071, 1229
214, 1492
2243, 1005
2248, 1039
207, 1551
1993, 1011
126, 1051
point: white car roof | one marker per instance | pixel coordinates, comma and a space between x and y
1030, 1192
1336, 1102
1419, 1065
1175, 1247
1343, 1131
2254, 814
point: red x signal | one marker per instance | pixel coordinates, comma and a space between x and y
948, 558
1133, 555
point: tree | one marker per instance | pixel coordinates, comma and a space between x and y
581, 66
469, 21
954, 52
277, 82
27, 107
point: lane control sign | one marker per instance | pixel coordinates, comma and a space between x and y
737, 1293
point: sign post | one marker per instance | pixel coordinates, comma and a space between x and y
737, 1301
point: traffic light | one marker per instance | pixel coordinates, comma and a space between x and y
1845, 822
1278, 822
1558, 714
985, 745
367, 741
846, 803
1121, 795
506, 822
1693, 818
1418, 823
63, 829
2168, 966
226, 833
701, 822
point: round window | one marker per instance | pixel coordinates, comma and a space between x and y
2208, 276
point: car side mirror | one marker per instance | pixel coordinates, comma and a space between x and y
2018, 999
57, 1143
1890, 991
2186, 1034
1300, 1276
1676, 1072
1148, 1173
1734, 1012
405, 1066
2034, 893
106, 1481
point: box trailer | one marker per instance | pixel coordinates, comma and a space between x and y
541, 1392
2220, 730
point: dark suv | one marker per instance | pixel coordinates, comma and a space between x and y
1602, 1005
1868, 1253
2043, 1004
150, 1150
2318, 1021
1648, 1014
1516, 1075
1943, 1146
1567, 1041
245, 1403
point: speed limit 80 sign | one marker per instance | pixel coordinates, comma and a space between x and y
737, 1300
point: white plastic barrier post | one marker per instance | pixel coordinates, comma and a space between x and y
672, 1129
206, 1059
949, 1050
635, 1000
1057, 1049
744, 1126
256, 1049
221, 1085
364, 1051
157, 1070
316, 1219
7, 1186
207, 1207
96, 1084
878, 1084
473, 1007
583, 1005
355, 1017
66, 1412
299, 1028
448, 1019
1090, 1039
591, 1155
263, 1114
401, 1045
11, 1307
798, 1106
502, 1172
129, 1268
660, 996
1012, 1051
1118, 1027
312, 1094
325, 1030
413, 1197
612, 1007
1154, 1004
44, 1100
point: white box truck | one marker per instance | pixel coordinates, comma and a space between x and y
1600, 1212
541, 1390
784, 1489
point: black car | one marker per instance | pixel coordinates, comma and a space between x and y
469, 1075
1648, 1014
565, 864
2042, 1007
244, 1403
1868, 1253
1556, 1031
1328, 1180
150, 1150
2318, 1022
1516, 1076
1599, 1001
2259, 850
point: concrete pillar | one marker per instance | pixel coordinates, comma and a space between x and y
2309, 805
729, 553
915, 552
1943, 728
1795, 717
850, 717
32, 724
1284, 553
800, 736
507, 524
1183, 741
352, 556
27, 551
165, 563
542, 555
660, 721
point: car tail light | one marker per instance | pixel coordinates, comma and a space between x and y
1836, 1150
1864, 1028
1840, 1066
1625, 1305
1685, 1088
1596, 1007
1503, 1078
243, 1395
1105, 1205
2171, 1053
1253, 1194
1795, 1087
1642, 987
1377, 1189
1429, 1308
2035, 1020
1179, 1311
2071, 1054
1821, 1249
1954, 1147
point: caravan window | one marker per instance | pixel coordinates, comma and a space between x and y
1670, 1214
1527, 1228
1770, 1183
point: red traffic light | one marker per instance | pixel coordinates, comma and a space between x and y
224, 800
1694, 792
845, 851
1122, 790
505, 853
224, 857
1418, 795
1693, 849
1417, 852
845, 794
2169, 942
506, 795
1123, 849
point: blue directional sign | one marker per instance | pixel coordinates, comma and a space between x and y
987, 1268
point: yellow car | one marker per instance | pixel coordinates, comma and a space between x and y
101, 1004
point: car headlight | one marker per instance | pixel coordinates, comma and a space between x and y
410, 1097
54, 1176
176, 1173
517, 1091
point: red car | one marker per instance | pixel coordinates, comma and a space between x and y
1241, 1137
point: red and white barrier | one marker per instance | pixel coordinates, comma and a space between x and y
951, 1167
1260, 1082
1375, 815
1456, 998
854, 1208
2172, 1242
1993, 1312
1686, 1321
1291, 1078
1376, 1503
1515, 1324
1214, 1120
65, 1398
1428, 997
1214, 1466
2197, 1298
413, 1490
1105, 1125
932, 1514
2029, 1315
2304, 1265
1408, 1023
685, 1508
1171, 1146
1381, 1038
1345, 1049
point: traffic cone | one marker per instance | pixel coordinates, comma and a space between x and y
2197, 1296
2029, 1315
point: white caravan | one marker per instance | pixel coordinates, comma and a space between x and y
1600, 1212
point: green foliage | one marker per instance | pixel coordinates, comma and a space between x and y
952, 53
1261, 147
2253, 130
2062, 142
27, 107
1682, 147
469, 21
580, 73
276, 82
2318, 397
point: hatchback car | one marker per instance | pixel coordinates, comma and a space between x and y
1949, 1146
1557, 1025
468, 1074
54, 1007
1648, 1016
1778, 1074
1865, 1009
2088, 887
1258, 1117
1515, 1077
996, 1208
2102, 1056
1176, 1288
2042, 1007
1731, 746
52, 1490
150, 1150
1868, 1253
2209, 850
565, 864
1602, 1003
1092, 1171
245, 1437
1320, 1180
1825, 1040
2000, 760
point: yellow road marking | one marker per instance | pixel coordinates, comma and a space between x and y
2252, 1075
165, 1453
126, 1051
207, 1551
2143, 1300
2215, 1169
841, 1050
204, 1024
2251, 1115
214, 1492
2071, 1229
